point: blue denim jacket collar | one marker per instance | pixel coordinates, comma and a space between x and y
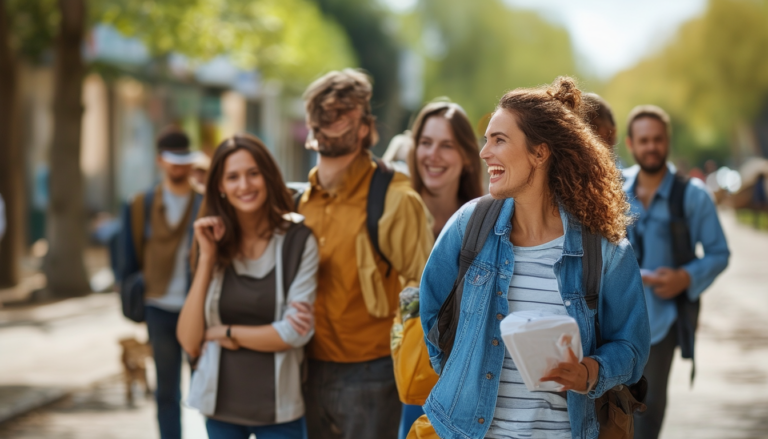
572, 228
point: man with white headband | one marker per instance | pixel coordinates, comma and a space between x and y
154, 272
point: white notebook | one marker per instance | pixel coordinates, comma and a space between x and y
537, 342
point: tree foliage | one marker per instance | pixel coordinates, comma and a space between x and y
478, 50
287, 39
33, 26
712, 77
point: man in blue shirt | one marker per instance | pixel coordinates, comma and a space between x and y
648, 185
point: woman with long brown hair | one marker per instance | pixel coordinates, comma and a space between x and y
251, 298
444, 165
559, 204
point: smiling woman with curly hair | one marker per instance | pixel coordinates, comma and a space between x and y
581, 172
558, 203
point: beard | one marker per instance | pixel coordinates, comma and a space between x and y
178, 179
649, 166
337, 146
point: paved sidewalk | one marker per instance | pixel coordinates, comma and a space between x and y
729, 398
65, 356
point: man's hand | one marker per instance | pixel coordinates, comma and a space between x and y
668, 283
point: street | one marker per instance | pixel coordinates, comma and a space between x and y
75, 347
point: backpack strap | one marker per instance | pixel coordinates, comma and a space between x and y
297, 199
592, 273
293, 250
480, 225
377, 194
141, 214
682, 250
682, 253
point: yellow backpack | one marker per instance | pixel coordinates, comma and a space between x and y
422, 429
413, 372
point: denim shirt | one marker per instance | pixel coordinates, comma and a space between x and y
652, 227
463, 401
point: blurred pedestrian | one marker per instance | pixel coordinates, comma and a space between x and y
200, 168
674, 215
155, 241
541, 158
253, 293
350, 390
600, 118
445, 171
398, 150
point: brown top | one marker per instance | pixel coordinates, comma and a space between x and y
162, 245
246, 393
356, 301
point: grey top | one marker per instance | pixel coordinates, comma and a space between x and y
519, 412
246, 391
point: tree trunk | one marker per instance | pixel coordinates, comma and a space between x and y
11, 160
66, 222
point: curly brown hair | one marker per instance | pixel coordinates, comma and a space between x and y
582, 173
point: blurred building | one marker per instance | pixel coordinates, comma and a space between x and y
129, 96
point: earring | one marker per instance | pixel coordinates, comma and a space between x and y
223, 195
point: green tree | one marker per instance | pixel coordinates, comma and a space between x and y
289, 40
26, 31
286, 39
712, 78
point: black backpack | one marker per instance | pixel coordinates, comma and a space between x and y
683, 252
377, 194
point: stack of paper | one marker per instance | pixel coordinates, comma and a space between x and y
537, 342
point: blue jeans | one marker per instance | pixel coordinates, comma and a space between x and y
166, 349
226, 430
410, 414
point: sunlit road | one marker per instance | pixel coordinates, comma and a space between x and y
729, 398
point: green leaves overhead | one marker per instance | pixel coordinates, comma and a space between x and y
289, 39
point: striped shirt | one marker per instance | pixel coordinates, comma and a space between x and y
520, 413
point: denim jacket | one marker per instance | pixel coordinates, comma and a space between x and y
463, 401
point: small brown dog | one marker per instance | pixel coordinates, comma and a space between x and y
134, 359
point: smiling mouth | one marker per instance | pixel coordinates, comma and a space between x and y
435, 170
495, 171
247, 198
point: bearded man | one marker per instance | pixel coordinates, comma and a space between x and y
350, 391
674, 215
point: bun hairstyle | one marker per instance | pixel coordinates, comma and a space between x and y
582, 174
564, 89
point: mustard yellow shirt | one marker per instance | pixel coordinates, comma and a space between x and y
356, 301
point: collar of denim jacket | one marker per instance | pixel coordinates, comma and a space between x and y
572, 227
